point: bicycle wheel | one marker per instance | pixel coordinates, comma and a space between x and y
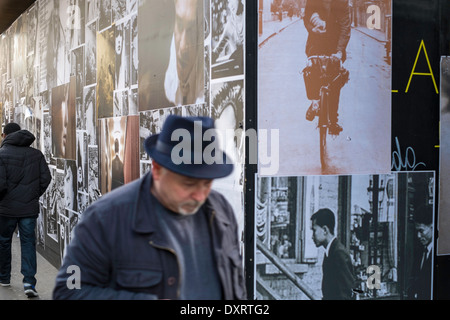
323, 145
323, 125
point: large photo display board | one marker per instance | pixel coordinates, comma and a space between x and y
350, 110
378, 242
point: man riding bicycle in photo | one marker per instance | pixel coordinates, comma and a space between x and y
328, 25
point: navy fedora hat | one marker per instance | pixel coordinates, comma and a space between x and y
160, 147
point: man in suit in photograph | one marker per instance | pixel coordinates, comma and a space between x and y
338, 276
421, 279
329, 29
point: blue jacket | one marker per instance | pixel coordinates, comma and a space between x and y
122, 253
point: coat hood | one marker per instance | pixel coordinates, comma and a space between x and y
21, 138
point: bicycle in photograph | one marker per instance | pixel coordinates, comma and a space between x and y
322, 75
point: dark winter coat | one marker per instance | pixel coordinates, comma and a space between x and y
24, 176
122, 252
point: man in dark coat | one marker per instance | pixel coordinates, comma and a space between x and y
328, 26
338, 278
164, 236
24, 177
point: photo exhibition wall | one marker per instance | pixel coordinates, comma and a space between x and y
329, 105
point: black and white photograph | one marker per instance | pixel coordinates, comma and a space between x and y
82, 143
324, 82
111, 155
70, 185
83, 201
76, 17
119, 149
133, 101
197, 110
443, 241
172, 32
359, 237
227, 109
92, 9
134, 65
19, 47
93, 173
32, 29
77, 64
47, 135
40, 226
72, 68
89, 99
151, 122
106, 59
119, 9
227, 38
63, 130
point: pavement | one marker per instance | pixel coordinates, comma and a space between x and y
273, 27
46, 275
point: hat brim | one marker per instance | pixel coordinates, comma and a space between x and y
199, 171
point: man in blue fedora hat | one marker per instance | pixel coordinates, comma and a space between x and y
167, 235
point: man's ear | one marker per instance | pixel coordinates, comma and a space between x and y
156, 170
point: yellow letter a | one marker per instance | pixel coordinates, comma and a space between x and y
422, 73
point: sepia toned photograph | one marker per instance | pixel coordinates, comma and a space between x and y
119, 163
443, 241
172, 33
324, 83
359, 237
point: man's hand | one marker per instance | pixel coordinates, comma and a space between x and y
319, 24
